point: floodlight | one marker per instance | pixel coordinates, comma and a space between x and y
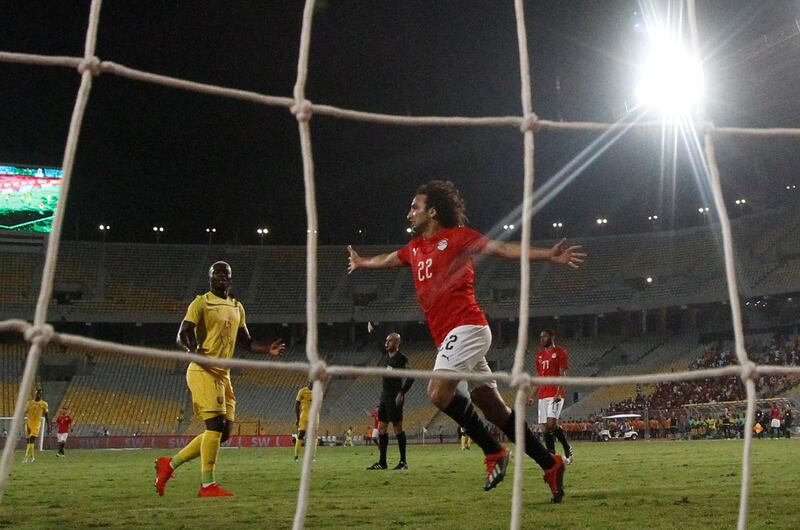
671, 78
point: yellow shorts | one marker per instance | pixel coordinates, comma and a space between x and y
301, 426
211, 396
32, 429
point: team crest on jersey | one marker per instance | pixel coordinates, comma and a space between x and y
441, 245
553, 355
414, 250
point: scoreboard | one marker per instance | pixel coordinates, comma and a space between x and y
28, 197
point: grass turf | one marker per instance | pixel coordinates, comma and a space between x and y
613, 485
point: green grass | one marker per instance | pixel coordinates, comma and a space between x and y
628, 485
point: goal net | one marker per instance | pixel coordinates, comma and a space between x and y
703, 135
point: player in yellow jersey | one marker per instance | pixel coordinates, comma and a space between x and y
348, 437
302, 407
466, 441
34, 411
213, 325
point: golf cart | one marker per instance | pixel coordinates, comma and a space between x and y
618, 427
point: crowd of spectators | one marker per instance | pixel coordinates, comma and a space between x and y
779, 350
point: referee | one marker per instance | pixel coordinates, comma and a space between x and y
390, 409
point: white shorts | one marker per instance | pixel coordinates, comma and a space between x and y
375, 432
548, 408
775, 423
62, 437
464, 350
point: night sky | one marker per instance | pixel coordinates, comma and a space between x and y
150, 155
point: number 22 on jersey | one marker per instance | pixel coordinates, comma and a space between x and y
424, 270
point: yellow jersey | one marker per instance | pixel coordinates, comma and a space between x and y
217, 322
304, 398
34, 410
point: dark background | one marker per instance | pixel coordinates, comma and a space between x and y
150, 155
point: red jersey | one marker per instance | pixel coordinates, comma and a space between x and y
375, 418
63, 423
776, 413
444, 278
551, 361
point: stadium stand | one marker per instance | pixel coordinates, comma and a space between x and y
152, 284
764, 349
123, 395
100, 282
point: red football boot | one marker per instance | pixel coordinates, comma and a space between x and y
163, 474
213, 490
554, 477
496, 464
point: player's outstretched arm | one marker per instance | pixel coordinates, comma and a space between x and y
375, 334
381, 261
559, 253
274, 348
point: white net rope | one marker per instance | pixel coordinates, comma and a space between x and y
39, 333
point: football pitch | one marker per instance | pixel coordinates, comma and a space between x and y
659, 484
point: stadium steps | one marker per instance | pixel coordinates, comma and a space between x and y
31, 286
53, 392
675, 354
764, 275
604, 360
337, 388
101, 284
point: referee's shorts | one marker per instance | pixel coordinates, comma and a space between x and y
388, 410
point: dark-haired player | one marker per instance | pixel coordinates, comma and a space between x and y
213, 325
441, 262
390, 409
551, 360
775, 421
64, 423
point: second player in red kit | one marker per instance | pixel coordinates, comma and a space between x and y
552, 361
63, 422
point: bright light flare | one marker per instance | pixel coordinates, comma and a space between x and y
671, 79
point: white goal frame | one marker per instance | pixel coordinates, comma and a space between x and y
20, 434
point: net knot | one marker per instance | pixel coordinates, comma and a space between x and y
522, 380
318, 372
92, 64
302, 110
749, 370
530, 122
40, 335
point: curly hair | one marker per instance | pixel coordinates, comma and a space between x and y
451, 211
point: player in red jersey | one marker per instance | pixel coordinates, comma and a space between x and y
551, 360
63, 422
375, 422
440, 258
775, 421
